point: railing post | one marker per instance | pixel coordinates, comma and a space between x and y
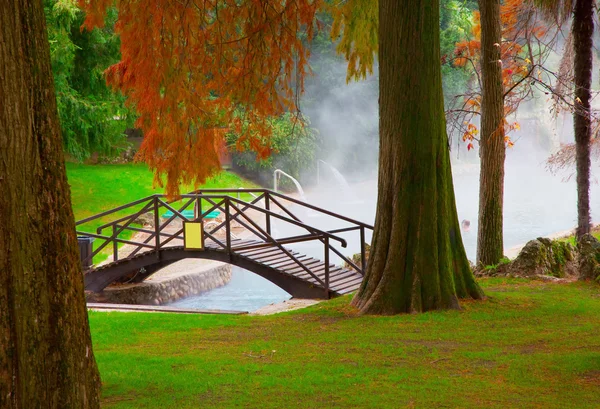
227, 225
115, 244
363, 253
199, 208
267, 215
327, 266
156, 228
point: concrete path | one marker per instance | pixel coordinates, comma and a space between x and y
149, 308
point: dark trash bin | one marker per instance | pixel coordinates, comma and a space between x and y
85, 251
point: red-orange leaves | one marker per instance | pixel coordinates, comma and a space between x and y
187, 66
521, 52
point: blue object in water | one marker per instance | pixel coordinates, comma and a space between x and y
189, 214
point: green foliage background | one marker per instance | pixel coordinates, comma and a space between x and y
93, 117
294, 149
455, 25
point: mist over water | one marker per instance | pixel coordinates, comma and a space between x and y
347, 118
536, 202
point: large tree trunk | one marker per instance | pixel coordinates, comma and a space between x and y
583, 30
417, 261
492, 150
46, 358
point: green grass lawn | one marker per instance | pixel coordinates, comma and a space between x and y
529, 345
96, 188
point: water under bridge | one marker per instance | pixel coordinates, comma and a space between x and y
234, 226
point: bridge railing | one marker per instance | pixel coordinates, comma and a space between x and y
256, 216
271, 197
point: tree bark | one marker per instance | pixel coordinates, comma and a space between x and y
417, 260
583, 31
492, 149
46, 358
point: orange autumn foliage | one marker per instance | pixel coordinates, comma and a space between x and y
356, 25
518, 26
191, 67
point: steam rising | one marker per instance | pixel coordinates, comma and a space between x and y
536, 202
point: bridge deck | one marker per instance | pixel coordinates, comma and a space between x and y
341, 280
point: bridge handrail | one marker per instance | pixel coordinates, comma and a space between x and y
202, 194
358, 224
236, 191
114, 210
278, 216
291, 199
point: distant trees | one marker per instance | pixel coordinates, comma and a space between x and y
294, 144
93, 117
508, 52
456, 22
582, 27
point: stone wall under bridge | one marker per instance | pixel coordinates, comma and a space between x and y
179, 280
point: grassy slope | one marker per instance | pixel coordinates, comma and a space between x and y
96, 188
530, 345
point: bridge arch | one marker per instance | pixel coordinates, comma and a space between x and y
153, 248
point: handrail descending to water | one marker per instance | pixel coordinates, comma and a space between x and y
278, 172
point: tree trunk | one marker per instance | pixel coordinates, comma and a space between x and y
492, 150
417, 260
46, 358
583, 30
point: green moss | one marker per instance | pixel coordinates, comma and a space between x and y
573, 242
492, 270
561, 254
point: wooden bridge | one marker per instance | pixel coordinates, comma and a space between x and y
240, 234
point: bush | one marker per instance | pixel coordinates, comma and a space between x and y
93, 117
294, 146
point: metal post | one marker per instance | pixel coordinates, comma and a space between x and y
199, 208
275, 181
327, 265
156, 228
267, 215
115, 244
227, 225
363, 262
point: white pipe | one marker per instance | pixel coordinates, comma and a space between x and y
318, 171
278, 172
250, 193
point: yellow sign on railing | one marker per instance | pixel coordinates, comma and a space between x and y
193, 239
